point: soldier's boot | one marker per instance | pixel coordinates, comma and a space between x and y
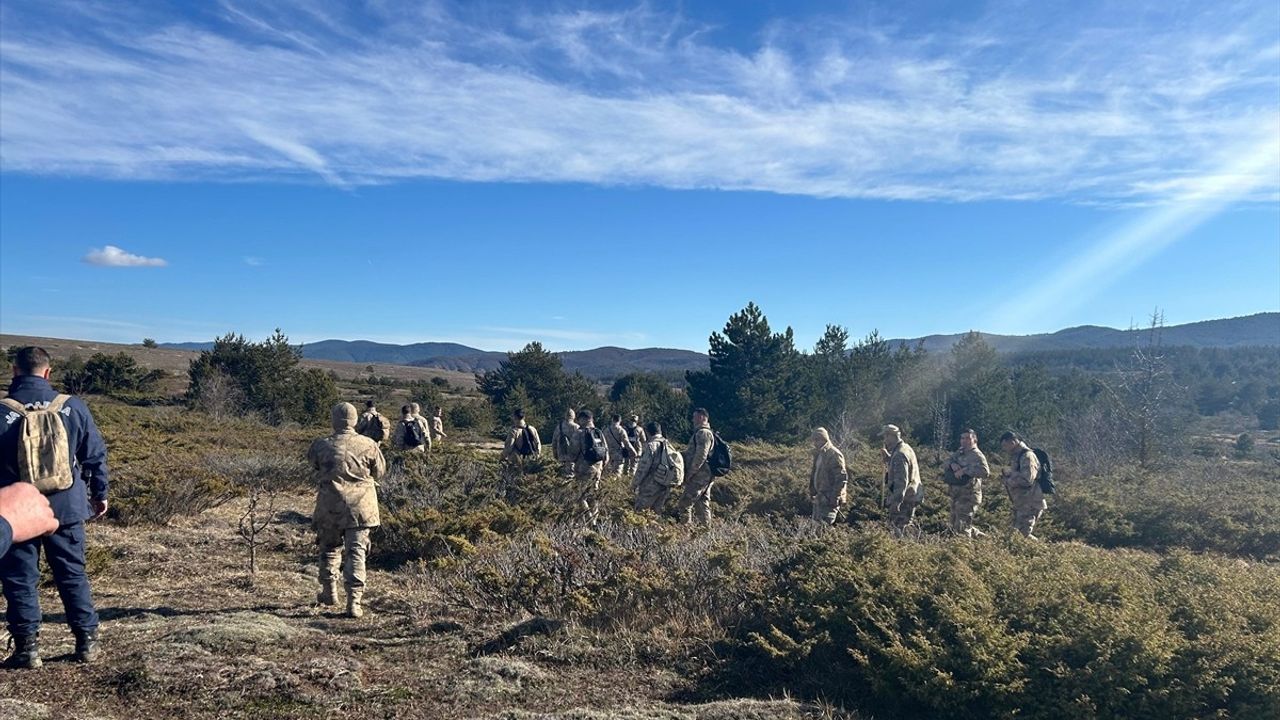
355, 608
26, 652
86, 646
328, 594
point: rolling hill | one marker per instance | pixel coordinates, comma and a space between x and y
1262, 329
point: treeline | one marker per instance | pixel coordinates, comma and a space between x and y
1094, 405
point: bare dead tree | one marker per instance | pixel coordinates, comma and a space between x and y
261, 478
1146, 396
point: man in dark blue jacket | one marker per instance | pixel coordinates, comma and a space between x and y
86, 499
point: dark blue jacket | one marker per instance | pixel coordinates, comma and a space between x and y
88, 451
6, 536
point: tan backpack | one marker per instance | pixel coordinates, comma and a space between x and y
44, 453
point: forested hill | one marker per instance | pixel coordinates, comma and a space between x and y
606, 363
1260, 330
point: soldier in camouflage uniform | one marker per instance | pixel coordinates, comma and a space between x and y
651, 493
437, 425
639, 437
371, 419
1021, 481
967, 469
562, 443
521, 446
829, 480
586, 474
695, 501
902, 478
345, 468
620, 448
399, 437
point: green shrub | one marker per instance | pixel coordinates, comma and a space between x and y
1017, 629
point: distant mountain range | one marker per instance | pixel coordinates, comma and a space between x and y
605, 363
1262, 329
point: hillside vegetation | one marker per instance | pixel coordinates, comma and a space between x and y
1157, 596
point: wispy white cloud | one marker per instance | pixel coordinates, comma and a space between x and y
112, 256
1122, 104
253, 261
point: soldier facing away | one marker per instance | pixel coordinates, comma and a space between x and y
562, 443
590, 452
695, 501
1021, 482
372, 424
829, 480
412, 433
72, 473
902, 477
638, 437
659, 469
620, 447
345, 468
963, 475
522, 446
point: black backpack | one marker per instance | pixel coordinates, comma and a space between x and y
594, 449
526, 445
377, 429
1046, 472
721, 458
413, 435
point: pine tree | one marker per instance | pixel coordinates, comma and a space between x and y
753, 389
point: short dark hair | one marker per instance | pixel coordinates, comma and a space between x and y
518, 414
407, 409
438, 409
970, 431
653, 428
31, 360
368, 403
617, 417
1009, 436
701, 411
585, 414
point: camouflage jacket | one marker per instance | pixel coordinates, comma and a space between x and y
695, 456
1024, 471
829, 477
972, 464
345, 469
511, 448
565, 433
903, 474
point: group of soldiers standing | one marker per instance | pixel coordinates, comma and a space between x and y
348, 464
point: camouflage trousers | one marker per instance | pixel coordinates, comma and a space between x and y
1028, 505
566, 469
586, 489
651, 496
903, 516
614, 468
825, 508
695, 501
965, 500
348, 554
629, 466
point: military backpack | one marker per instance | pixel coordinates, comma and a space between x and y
668, 469
1045, 479
413, 435
720, 460
378, 428
526, 445
594, 448
44, 452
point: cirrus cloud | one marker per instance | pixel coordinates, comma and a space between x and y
1126, 103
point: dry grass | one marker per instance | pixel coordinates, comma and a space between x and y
184, 635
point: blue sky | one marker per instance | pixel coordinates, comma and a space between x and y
630, 174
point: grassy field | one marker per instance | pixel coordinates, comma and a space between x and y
1159, 598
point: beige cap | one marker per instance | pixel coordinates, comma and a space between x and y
891, 430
